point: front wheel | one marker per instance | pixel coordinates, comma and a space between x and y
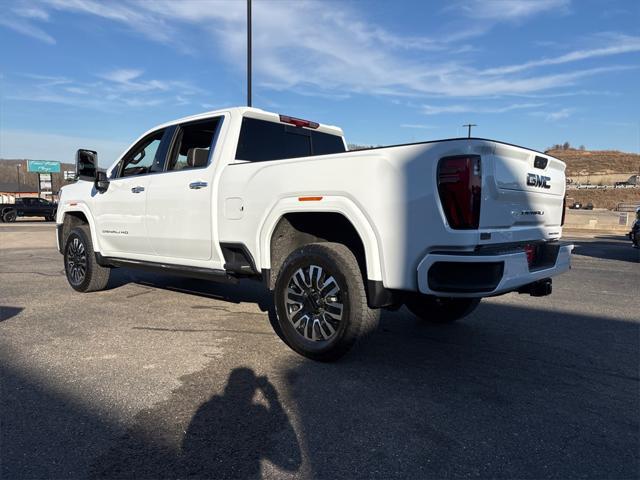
321, 303
80, 265
440, 309
10, 216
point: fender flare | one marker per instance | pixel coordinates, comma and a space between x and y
329, 204
84, 209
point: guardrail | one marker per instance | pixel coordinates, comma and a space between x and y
627, 207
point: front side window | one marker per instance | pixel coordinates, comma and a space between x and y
141, 159
193, 145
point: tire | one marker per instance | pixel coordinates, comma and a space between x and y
316, 320
83, 272
440, 309
10, 216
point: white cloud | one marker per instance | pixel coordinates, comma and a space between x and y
118, 90
309, 49
437, 110
26, 28
624, 44
32, 12
123, 75
561, 114
509, 10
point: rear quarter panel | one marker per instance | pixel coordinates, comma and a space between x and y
393, 189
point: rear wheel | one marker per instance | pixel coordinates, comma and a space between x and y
321, 302
80, 265
10, 216
440, 309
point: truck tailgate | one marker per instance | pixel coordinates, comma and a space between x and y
521, 188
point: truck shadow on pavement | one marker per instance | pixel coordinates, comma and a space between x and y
249, 291
9, 312
608, 248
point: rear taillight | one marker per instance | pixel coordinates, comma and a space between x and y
564, 210
460, 189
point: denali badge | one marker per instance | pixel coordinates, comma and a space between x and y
534, 180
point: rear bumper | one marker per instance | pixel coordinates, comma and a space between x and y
464, 275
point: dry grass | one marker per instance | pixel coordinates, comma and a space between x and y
598, 162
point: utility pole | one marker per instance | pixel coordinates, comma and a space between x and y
469, 125
18, 168
248, 53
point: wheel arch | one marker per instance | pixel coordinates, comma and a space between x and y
334, 219
71, 218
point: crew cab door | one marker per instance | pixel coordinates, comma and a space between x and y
42, 207
180, 213
120, 211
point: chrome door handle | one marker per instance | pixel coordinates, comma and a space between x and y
137, 189
197, 185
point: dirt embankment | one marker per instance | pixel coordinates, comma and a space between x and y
597, 162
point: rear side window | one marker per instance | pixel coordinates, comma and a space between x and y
192, 148
261, 141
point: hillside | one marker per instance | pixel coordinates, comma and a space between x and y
597, 162
9, 173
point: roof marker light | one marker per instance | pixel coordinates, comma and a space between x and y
309, 199
298, 122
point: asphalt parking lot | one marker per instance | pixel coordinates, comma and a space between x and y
163, 377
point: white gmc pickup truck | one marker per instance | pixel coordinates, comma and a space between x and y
335, 234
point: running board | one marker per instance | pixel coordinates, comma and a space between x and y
168, 269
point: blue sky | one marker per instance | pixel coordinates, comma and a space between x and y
85, 73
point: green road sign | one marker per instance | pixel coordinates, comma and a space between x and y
43, 166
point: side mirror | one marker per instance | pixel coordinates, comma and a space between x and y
102, 182
86, 165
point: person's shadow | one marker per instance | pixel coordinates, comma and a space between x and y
231, 433
226, 438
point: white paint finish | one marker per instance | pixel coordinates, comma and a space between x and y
233, 208
331, 203
388, 194
178, 218
508, 202
119, 216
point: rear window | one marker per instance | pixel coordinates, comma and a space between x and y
261, 141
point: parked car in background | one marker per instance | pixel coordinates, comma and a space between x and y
28, 207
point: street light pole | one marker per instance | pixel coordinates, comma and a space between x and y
248, 53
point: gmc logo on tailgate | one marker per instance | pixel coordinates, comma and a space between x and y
535, 180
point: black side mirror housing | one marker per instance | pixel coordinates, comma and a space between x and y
102, 182
86, 164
